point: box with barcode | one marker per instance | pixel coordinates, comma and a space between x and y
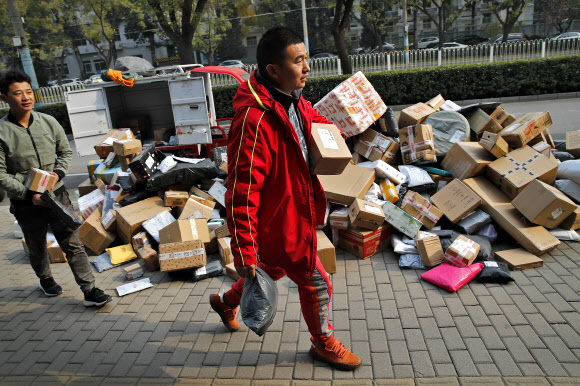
462, 252
366, 214
329, 154
374, 146
182, 255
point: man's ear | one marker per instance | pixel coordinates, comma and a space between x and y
273, 71
3, 98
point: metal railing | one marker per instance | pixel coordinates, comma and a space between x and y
51, 95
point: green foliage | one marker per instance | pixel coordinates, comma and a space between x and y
461, 82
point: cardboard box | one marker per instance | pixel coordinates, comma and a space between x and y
353, 183
200, 193
39, 181
518, 168
125, 161
127, 147
106, 174
480, 121
571, 222
133, 271
175, 198
224, 248
326, 252
374, 146
231, 272
194, 209
145, 163
542, 148
105, 146
526, 128
534, 238
511, 118
55, 254
353, 105
182, 255
159, 133
364, 243
518, 259
430, 249
149, 257
203, 201
417, 145
462, 252
93, 235
467, 159
357, 158
328, 151
543, 204
130, 218
339, 219
421, 209
91, 167
401, 220
109, 220
414, 115
494, 143
364, 214
456, 200
222, 231
573, 143
185, 230
548, 138
86, 187
140, 240
499, 114
436, 102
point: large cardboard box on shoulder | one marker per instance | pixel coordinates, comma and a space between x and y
456, 200
534, 238
467, 159
131, 217
364, 243
480, 122
525, 128
181, 255
93, 235
413, 115
328, 152
326, 252
518, 168
543, 204
352, 183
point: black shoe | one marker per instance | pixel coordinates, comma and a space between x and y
96, 297
49, 287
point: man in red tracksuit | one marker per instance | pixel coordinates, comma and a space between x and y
273, 202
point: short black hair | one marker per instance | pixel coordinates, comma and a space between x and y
12, 76
272, 46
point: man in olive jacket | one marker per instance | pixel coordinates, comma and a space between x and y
29, 139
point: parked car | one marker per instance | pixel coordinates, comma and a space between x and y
358, 51
323, 55
469, 39
69, 82
452, 45
232, 63
567, 36
386, 48
512, 38
94, 79
426, 42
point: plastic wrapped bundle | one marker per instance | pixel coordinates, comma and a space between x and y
62, 212
212, 269
411, 261
448, 127
474, 222
184, 173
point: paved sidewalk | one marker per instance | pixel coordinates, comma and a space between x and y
406, 331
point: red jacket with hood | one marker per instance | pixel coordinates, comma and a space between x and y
273, 202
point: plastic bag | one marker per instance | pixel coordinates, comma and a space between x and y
474, 221
569, 188
400, 247
489, 232
62, 212
450, 277
448, 127
411, 261
184, 174
419, 180
167, 164
111, 193
570, 170
259, 302
563, 156
389, 124
121, 254
565, 235
494, 272
103, 262
212, 269
134, 198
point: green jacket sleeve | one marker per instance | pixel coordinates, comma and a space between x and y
62, 149
12, 185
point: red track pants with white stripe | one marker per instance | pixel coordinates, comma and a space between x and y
314, 292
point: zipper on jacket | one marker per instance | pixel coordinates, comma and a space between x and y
35, 149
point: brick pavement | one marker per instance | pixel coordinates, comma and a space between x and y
407, 331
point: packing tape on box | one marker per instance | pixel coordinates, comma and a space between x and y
181, 254
463, 247
194, 230
424, 209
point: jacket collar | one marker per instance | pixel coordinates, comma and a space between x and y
13, 120
278, 95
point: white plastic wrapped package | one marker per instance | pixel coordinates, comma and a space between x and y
565, 235
374, 195
416, 176
570, 170
259, 302
412, 261
167, 164
569, 188
400, 247
158, 222
448, 127
384, 170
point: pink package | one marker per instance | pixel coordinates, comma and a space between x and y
450, 277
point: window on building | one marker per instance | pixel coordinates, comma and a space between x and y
132, 35
88, 66
486, 18
390, 27
426, 24
117, 36
251, 41
171, 51
100, 65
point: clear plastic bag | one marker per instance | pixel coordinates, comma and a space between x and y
259, 302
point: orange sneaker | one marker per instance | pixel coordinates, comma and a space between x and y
227, 313
335, 355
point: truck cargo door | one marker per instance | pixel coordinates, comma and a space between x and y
89, 118
190, 111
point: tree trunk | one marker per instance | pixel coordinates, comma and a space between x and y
185, 50
441, 30
340, 45
415, 40
79, 61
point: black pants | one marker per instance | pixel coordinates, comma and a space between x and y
34, 221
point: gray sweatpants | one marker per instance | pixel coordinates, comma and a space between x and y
34, 221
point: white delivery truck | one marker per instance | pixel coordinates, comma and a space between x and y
181, 101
